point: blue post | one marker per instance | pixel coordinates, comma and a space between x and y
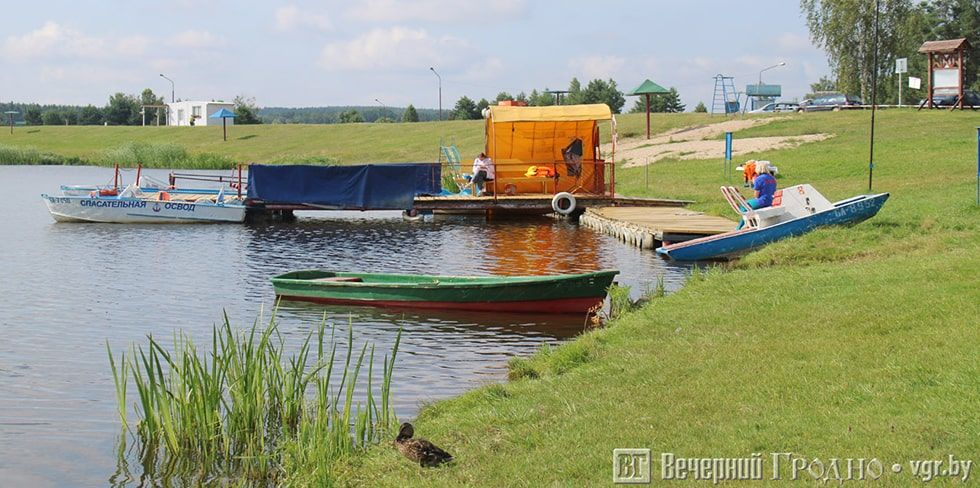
728, 156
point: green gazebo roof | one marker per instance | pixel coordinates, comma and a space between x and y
649, 88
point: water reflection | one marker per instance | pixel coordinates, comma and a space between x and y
67, 288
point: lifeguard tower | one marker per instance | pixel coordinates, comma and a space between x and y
547, 150
725, 99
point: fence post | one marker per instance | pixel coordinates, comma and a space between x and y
728, 156
647, 166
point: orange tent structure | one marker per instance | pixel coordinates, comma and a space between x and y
520, 137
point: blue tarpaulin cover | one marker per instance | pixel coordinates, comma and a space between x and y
364, 187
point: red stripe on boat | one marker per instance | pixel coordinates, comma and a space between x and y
558, 305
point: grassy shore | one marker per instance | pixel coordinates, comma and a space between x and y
853, 342
203, 147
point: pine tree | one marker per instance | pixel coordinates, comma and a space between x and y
410, 114
465, 109
574, 95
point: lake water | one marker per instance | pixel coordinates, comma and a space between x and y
66, 289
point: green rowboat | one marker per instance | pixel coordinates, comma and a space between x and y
572, 293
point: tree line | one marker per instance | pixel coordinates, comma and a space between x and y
125, 109
845, 30
595, 91
121, 109
345, 114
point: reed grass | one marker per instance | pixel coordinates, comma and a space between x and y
25, 155
244, 411
619, 300
161, 155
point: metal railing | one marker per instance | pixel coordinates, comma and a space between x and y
587, 176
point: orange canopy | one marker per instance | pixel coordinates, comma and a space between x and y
539, 133
517, 137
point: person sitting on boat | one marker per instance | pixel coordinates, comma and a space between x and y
764, 185
482, 172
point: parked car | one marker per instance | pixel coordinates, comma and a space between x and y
833, 101
777, 107
971, 98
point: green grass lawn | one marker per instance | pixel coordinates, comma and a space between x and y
846, 342
203, 147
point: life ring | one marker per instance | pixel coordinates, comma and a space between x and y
563, 203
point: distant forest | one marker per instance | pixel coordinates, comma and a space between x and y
331, 115
79, 115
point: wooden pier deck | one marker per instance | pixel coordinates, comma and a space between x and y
535, 202
649, 227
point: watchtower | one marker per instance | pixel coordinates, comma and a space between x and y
726, 98
946, 70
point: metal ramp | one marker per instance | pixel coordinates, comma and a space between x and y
725, 100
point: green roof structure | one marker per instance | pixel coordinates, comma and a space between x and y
649, 88
646, 89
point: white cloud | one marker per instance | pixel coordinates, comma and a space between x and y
35, 43
475, 11
52, 40
196, 39
291, 17
392, 48
592, 67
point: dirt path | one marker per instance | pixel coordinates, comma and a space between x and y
690, 143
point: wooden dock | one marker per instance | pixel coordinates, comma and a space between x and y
535, 203
650, 226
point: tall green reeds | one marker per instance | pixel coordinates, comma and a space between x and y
161, 155
243, 411
15, 155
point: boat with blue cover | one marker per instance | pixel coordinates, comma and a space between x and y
795, 210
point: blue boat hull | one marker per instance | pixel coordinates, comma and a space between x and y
730, 244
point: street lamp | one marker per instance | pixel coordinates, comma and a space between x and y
782, 63
384, 109
10, 116
172, 98
440, 90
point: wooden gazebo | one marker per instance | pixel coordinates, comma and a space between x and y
946, 70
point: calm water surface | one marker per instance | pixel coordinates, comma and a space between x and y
66, 289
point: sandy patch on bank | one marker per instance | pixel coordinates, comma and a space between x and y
689, 143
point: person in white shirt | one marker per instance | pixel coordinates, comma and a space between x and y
482, 172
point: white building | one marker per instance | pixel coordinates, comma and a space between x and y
181, 113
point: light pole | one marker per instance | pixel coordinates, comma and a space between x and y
384, 109
440, 90
782, 63
758, 88
172, 99
10, 116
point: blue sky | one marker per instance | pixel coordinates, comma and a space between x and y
312, 53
